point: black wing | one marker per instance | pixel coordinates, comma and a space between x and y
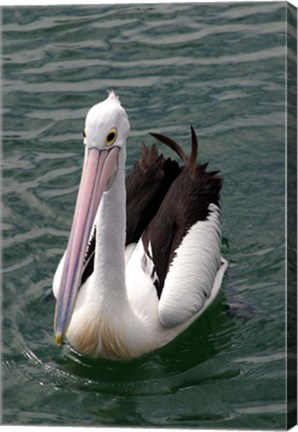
146, 187
185, 203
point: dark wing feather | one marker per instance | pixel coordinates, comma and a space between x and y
186, 203
146, 187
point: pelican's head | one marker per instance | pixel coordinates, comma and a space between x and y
106, 125
105, 134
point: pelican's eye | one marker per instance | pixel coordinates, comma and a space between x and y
111, 137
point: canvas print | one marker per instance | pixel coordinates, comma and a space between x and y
149, 215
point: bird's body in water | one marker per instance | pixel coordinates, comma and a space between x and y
143, 258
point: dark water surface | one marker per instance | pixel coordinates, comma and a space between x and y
218, 67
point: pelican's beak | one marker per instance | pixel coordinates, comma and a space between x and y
99, 169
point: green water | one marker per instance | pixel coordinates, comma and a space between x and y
218, 67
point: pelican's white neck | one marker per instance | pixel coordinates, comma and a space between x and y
109, 265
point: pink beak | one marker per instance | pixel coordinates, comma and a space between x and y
99, 167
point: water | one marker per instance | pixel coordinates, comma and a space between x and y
218, 67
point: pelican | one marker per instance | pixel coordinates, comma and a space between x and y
143, 257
